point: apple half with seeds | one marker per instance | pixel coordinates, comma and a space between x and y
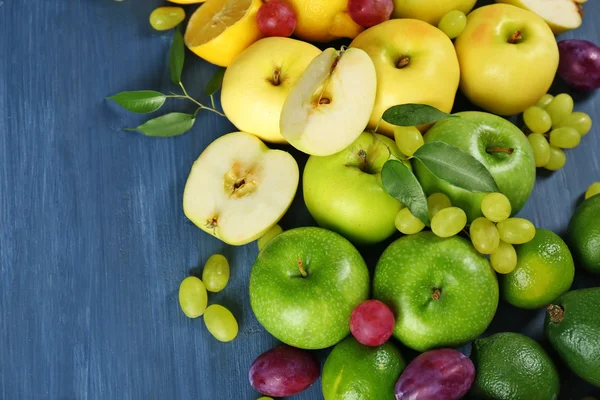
238, 188
330, 105
560, 15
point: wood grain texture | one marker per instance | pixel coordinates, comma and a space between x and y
93, 240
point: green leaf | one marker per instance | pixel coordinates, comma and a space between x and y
173, 124
176, 57
215, 82
455, 166
141, 101
402, 185
414, 115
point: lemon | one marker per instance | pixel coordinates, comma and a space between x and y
323, 20
219, 30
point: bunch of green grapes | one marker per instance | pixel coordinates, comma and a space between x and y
554, 127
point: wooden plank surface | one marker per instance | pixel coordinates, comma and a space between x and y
93, 240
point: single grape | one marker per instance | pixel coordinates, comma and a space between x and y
565, 138
372, 323
579, 121
541, 149
545, 100
370, 12
276, 18
284, 371
453, 23
448, 222
408, 223
437, 202
593, 190
496, 207
192, 297
268, 236
537, 119
484, 235
165, 18
221, 323
215, 274
408, 139
516, 230
579, 64
265, 398
442, 374
560, 108
558, 159
504, 259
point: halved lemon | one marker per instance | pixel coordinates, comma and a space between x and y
219, 30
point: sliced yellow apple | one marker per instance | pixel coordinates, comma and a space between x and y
560, 15
331, 103
238, 188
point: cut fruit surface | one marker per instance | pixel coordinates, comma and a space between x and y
238, 188
331, 103
219, 30
560, 15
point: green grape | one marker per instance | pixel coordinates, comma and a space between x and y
268, 236
537, 119
545, 100
408, 139
593, 190
541, 149
266, 398
215, 274
448, 222
516, 230
453, 23
484, 235
496, 207
565, 138
558, 159
579, 121
560, 108
221, 323
165, 18
437, 202
192, 297
408, 223
504, 259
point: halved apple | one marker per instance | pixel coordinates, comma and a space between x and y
331, 103
560, 15
238, 188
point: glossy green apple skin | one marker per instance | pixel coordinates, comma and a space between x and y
475, 132
407, 276
342, 197
311, 312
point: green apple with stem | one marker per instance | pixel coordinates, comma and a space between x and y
498, 144
343, 192
304, 285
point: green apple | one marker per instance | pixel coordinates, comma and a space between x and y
489, 139
343, 192
356, 371
305, 284
441, 290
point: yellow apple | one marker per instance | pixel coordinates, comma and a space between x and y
257, 83
508, 58
323, 20
415, 63
560, 15
430, 10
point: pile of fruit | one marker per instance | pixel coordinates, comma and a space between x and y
386, 156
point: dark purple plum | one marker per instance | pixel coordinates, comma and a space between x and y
284, 371
579, 64
443, 374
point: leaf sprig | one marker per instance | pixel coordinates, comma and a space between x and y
147, 101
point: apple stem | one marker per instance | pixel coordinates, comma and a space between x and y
363, 156
301, 268
324, 100
515, 37
402, 62
436, 294
506, 150
276, 75
556, 313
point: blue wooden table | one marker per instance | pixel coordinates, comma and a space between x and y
93, 240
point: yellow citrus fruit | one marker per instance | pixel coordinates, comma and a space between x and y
323, 20
187, 1
219, 30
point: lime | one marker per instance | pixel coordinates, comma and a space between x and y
584, 234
